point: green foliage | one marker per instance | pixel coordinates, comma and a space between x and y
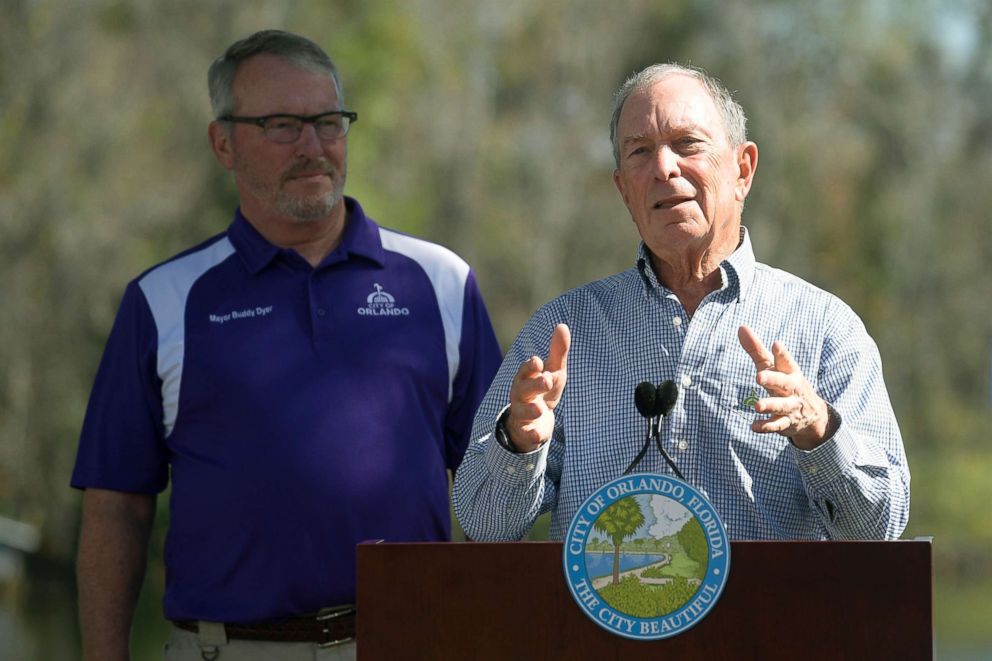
656, 572
483, 127
620, 520
634, 598
693, 541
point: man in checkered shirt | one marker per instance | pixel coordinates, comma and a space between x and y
782, 417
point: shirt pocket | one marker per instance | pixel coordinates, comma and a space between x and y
739, 397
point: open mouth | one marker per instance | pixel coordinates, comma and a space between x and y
670, 202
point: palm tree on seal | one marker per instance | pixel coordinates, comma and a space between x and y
618, 522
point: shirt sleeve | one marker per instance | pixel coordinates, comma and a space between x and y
858, 481
498, 494
479, 358
122, 445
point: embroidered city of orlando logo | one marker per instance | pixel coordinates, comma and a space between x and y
646, 556
381, 303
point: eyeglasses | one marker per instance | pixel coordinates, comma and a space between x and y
287, 128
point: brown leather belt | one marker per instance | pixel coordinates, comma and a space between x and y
330, 626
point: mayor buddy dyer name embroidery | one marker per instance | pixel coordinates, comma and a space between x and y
247, 313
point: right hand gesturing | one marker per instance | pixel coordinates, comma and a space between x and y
536, 391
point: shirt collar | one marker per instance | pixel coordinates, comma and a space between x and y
360, 239
736, 271
741, 263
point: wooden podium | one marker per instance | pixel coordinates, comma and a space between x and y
782, 600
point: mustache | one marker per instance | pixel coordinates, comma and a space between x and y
309, 166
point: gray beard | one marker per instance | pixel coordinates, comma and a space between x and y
308, 210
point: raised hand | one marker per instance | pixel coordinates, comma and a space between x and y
536, 391
795, 410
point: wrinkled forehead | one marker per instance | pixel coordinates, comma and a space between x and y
673, 104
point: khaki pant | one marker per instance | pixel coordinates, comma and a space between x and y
211, 644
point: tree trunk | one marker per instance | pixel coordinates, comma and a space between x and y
616, 562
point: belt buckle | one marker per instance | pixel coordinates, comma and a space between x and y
325, 616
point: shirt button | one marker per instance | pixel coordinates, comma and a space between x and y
683, 444
321, 312
686, 380
530, 467
510, 469
812, 469
676, 321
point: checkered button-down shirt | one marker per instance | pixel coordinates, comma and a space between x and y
629, 328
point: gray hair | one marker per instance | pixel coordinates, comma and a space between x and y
298, 50
734, 121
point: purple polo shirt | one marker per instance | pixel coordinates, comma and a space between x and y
297, 410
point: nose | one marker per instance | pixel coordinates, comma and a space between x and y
309, 144
667, 162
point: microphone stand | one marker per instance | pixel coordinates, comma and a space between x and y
668, 459
654, 433
644, 448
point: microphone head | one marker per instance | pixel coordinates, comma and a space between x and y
665, 398
645, 399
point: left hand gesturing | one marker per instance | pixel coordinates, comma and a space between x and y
796, 411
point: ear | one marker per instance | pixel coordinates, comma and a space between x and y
747, 164
220, 141
618, 182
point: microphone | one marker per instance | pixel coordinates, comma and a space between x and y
646, 399
653, 403
666, 396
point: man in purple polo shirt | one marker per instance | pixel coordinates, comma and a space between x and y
306, 379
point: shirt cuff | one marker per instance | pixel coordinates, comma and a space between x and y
508, 465
501, 435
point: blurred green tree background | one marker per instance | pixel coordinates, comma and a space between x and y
484, 127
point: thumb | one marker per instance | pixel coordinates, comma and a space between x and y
561, 340
557, 364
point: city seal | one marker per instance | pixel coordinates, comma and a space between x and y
646, 556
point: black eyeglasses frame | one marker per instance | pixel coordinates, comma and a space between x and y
261, 121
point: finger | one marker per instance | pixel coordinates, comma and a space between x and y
530, 381
529, 424
777, 406
762, 358
525, 411
524, 423
783, 359
777, 383
530, 388
526, 438
561, 340
776, 425
529, 368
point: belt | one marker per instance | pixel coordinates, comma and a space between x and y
329, 626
